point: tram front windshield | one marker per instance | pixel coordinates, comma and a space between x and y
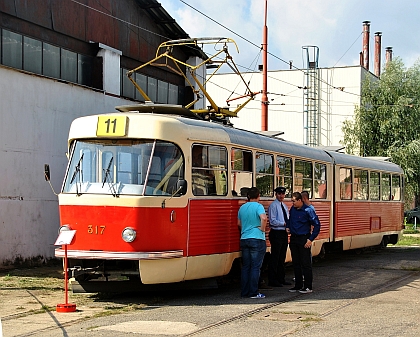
124, 167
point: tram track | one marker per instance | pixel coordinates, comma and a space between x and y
326, 287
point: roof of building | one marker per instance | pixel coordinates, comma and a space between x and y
171, 28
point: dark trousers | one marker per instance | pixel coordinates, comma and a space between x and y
302, 261
278, 242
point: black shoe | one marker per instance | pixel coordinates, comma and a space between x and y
295, 289
264, 286
285, 283
275, 284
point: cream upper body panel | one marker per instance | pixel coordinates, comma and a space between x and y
151, 126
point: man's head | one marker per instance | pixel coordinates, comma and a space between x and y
253, 193
280, 193
297, 200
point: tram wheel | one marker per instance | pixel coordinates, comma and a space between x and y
384, 242
321, 255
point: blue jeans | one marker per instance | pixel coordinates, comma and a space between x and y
253, 251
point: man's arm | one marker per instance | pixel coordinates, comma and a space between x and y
272, 215
263, 220
316, 226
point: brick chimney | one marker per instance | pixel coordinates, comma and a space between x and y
377, 67
366, 30
388, 54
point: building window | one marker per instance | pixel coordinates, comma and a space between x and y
152, 88
173, 94
284, 174
127, 88
51, 60
158, 91
12, 49
265, 174
141, 81
32, 55
69, 66
162, 92
22, 52
84, 69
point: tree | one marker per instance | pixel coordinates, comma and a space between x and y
387, 123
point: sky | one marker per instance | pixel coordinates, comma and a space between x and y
335, 27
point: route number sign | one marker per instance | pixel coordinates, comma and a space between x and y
115, 126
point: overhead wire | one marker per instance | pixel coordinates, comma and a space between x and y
252, 43
230, 30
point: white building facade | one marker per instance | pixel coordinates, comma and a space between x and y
34, 126
338, 93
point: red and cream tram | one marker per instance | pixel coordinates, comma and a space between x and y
153, 193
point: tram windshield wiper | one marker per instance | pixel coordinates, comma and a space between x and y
109, 181
77, 171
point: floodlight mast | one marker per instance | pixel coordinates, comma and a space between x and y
165, 53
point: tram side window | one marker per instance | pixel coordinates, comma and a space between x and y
209, 170
386, 186
265, 174
396, 187
303, 176
374, 186
320, 181
284, 174
360, 185
241, 165
345, 184
166, 169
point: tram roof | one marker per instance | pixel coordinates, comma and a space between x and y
362, 162
256, 140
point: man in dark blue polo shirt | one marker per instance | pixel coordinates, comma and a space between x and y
301, 220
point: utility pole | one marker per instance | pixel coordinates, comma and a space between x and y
264, 99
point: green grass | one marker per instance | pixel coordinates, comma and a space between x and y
411, 231
409, 241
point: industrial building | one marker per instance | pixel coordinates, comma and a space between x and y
287, 104
62, 59
307, 105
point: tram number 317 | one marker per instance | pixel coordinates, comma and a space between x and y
112, 127
96, 229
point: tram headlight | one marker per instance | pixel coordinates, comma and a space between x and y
128, 234
64, 228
